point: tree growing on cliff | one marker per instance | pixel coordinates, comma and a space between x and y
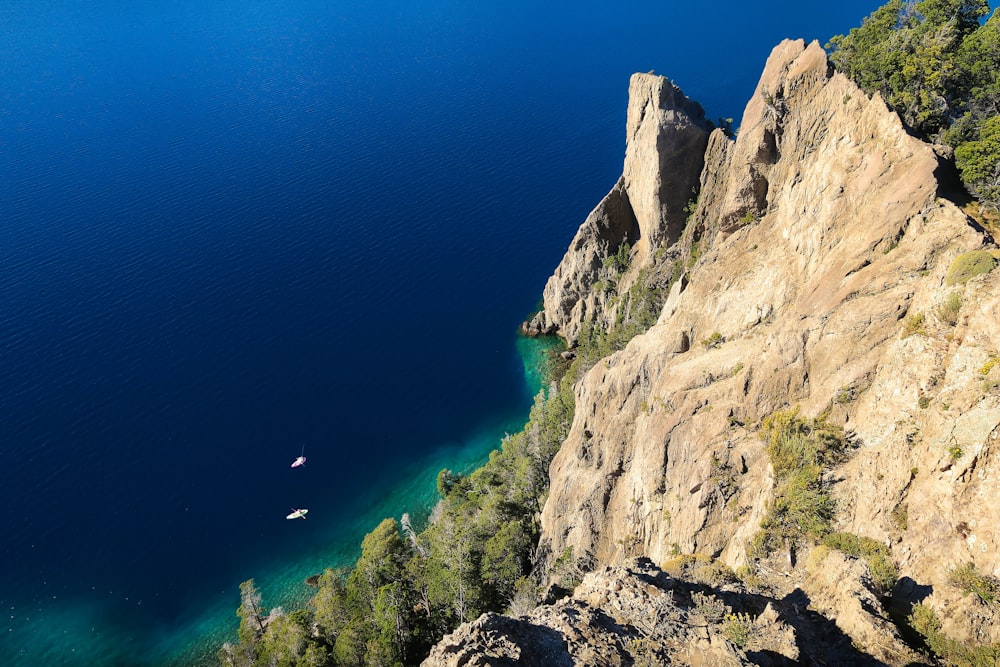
251, 612
939, 69
378, 599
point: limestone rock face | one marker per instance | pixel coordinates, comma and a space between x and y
822, 236
666, 138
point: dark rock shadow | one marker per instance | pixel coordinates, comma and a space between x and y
907, 593
540, 646
950, 185
819, 640
770, 659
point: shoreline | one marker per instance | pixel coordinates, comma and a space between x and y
413, 491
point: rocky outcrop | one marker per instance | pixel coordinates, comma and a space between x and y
621, 616
639, 615
840, 588
569, 297
666, 138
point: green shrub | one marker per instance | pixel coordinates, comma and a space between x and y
968, 580
636, 310
794, 442
989, 365
979, 158
619, 261
694, 255
900, 513
914, 324
715, 340
968, 265
801, 507
948, 311
698, 568
737, 628
709, 606
846, 395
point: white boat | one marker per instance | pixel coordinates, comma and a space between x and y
297, 514
301, 461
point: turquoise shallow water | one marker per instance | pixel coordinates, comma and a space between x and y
413, 491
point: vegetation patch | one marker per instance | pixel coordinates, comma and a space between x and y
802, 508
901, 513
713, 341
701, 569
969, 580
951, 651
875, 554
989, 365
636, 310
948, 311
846, 394
933, 61
738, 628
709, 606
619, 261
914, 325
968, 265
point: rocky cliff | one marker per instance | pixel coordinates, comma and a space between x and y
824, 268
646, 210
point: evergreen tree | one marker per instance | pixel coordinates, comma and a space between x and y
939, 69
251, 612
979, 160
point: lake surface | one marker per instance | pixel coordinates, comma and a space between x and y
237, 231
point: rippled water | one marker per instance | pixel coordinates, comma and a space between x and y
232, 230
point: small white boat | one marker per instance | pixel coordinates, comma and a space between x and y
301, 461
297, 514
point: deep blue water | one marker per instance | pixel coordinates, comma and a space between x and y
233, 229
